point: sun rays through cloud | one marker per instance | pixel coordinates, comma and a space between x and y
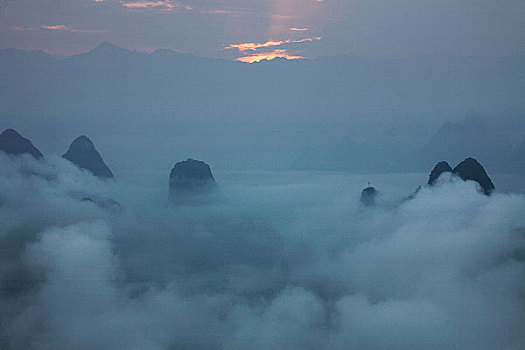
287, 18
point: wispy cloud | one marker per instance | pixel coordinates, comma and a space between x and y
217, 12
21, 28
255, 46
57, 27
65, 28
298, 29
163, 4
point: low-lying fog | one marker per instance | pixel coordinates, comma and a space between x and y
280, 260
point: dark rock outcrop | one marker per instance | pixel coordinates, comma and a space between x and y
83, 154
470, 169
369, 196
440, 168
11, 142
190, 182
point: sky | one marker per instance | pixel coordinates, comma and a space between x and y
250, 31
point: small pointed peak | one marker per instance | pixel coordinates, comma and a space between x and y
82, 153
106, 45
107, 48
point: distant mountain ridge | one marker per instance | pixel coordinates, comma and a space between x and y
157, 92
168, 80
471, 136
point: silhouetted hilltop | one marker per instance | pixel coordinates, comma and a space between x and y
190, 179
440, 168
82, 153
11, 142
470, 169
369, 196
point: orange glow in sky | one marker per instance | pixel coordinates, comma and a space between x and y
253, 56
279, 53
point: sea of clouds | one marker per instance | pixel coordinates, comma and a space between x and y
279, 261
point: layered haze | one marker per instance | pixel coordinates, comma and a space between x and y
165, 106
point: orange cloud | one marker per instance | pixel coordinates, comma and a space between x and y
251, 54
279, 53
255, 46
298, 29
57, 27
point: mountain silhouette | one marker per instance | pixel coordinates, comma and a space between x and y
471, 169
11, 142
83, 154
190, 180
471, 136
440, 168
369, 196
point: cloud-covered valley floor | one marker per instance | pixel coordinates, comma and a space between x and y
279, 261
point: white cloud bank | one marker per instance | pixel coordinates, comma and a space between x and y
274, 266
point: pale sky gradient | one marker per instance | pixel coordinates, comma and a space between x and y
303, 28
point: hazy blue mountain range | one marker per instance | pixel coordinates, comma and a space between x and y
109, 77
343, 113
387, 153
